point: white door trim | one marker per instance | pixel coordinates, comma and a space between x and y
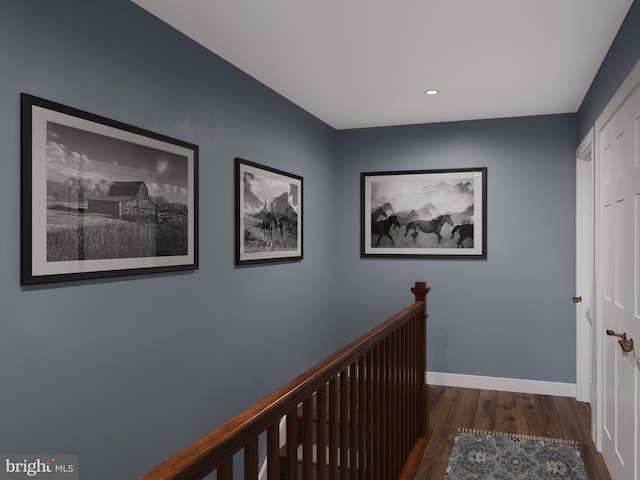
584, 267
625, 90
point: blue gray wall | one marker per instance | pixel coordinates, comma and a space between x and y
123, 374
126, 372
622, 56
509, 315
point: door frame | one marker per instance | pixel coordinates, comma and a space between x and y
586, 387
584, 263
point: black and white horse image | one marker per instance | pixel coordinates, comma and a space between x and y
464, 231
377, 213
383, 228
428, 226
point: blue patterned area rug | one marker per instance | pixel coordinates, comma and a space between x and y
500, 456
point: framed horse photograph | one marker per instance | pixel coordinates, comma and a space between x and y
268, 214
424, 213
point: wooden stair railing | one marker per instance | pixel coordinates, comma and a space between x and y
369, 403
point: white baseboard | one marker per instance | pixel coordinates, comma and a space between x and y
502, 384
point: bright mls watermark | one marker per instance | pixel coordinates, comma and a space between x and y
46, 467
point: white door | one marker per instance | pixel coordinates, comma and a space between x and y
618, 277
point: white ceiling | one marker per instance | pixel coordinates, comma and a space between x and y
365, 63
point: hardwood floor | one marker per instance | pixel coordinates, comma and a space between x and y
525, 414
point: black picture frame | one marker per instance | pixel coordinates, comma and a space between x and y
399, 207
269, 214
101, 198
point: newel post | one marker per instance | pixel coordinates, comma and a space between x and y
420, 290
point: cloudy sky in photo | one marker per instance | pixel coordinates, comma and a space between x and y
76, 153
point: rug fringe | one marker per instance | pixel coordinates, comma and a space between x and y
516, 436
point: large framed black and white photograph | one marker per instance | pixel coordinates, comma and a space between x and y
268, 214
101, 198
425, 213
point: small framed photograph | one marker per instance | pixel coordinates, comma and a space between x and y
268, 214
101, 198
424, 213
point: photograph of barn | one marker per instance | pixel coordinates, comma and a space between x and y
109, 198
124, 198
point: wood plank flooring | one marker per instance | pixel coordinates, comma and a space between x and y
525, 414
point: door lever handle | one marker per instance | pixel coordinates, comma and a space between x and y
626, 345
623, 336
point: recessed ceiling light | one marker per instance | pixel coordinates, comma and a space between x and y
432, 92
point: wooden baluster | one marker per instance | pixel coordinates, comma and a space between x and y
321, 426
389, 414
410, 419
419, 389
398, 407
394, 410
333, 429
419, 376
362, 416
387, 410
307, 438
376, 413
404, 388
251, 459
344, 425
415, 391
391, 441
407, 391
292, 444
402, 369
225, 470
353, 422
401, 406
384, 411
273, 452
371, 414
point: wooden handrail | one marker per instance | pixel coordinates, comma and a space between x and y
373, 363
